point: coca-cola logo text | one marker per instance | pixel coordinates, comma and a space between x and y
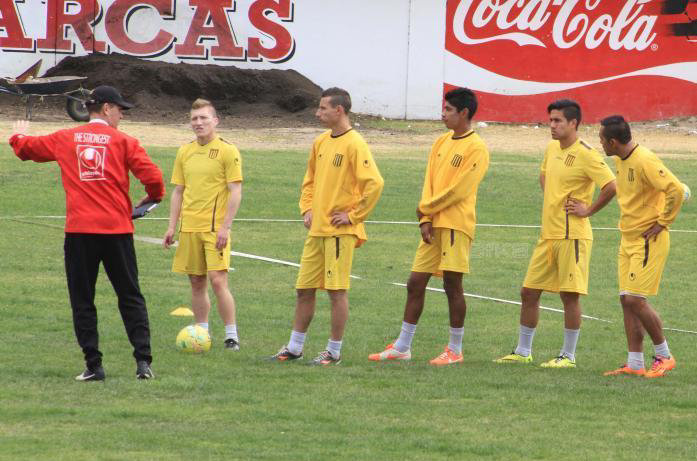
572, 23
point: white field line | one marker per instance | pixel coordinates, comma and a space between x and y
506, 301
158, 241
410, 223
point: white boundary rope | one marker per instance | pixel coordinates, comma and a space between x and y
408, 223
158, 241
506, 301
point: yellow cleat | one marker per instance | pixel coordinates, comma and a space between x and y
514, 358
559, 362
661, 366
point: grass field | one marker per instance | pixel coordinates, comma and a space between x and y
226, 405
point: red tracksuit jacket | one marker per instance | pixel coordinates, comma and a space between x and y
95, 160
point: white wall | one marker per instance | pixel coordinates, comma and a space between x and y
387, 53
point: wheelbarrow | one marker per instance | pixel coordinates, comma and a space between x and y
68, 87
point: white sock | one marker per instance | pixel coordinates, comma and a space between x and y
662, 349
203, 325
635, 360
231, 332
334, 348
296, 343
525, 337
403, 343
570, 340
455, 343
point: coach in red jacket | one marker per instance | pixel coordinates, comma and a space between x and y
95, 160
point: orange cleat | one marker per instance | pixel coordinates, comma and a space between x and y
448, 357
661, 366
390, 353
625, 370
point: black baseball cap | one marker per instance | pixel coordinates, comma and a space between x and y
106, 93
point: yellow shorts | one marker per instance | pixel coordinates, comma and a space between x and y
449, 251
326, 262
197, 254
560, 265
640, 264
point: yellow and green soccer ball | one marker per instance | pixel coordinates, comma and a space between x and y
194, 339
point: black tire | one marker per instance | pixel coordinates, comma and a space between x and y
75, 105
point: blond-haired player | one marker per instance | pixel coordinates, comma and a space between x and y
341, 187
650, 197
207, 177
570, 171
457, 163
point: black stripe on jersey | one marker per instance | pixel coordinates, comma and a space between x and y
336, 241
452, 237
576, 249
585, 144
225, 141
215, 207
456, 161
646, 252
567, 226
340, 135
338, 159
470, 133
631, 152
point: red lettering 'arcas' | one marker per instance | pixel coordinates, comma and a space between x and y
117, 24
79, 15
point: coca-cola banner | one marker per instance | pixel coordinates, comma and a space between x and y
632, 57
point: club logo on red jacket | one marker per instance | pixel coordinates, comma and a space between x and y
91, 161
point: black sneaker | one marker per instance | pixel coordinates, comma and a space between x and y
325, 358
143, 370
232, 344
284, 355
93, 374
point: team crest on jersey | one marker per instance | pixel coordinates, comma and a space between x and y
338, 159
456, 161
630, 175
213, 153
569, 160
91, 161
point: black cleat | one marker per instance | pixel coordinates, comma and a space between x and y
284, 355
325, 358
143, 370
93, 374
231, 344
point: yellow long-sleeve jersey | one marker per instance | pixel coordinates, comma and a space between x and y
570, 173
455, 168
647, 192
341, 176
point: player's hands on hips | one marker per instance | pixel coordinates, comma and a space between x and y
168, 239
419, 214
20, 127
653, 231
307, 219
222, 238
576, 208
426, 232
340, 218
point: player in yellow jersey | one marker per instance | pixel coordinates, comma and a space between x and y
570, 171
341, 187
207, 177
650, 197
457, 163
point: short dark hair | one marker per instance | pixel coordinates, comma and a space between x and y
338, 97
95, 108
570, 109
616, 127
463, 98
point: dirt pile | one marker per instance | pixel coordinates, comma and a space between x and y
163, 90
